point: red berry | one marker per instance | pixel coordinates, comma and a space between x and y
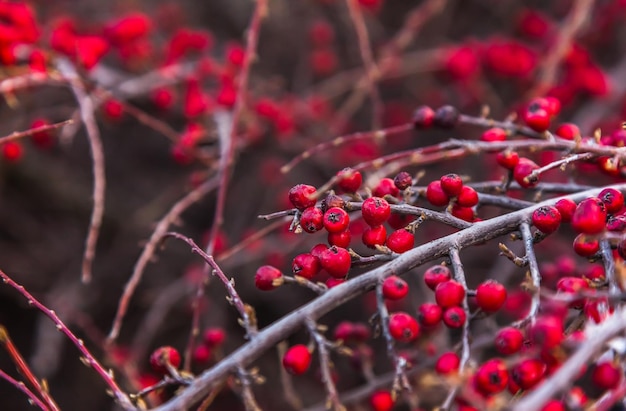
586, 246
454, 317
468, 197
336, 220
201, 354
386, 186
349, 180
382, 401
494, 134
341, 239
616, 223
113, 109
464, 213
490, 296
373, 236
566, 207
306, 265
336, 261
423, 117
507, 159
612, 199
573, 285
302, 196
447, 363
297, 359
267, 278
449, 294
590, 216
312, 219
214, 337
375, 211
317, 250
546, 332
403, 327
435, 194
403, 180
162, 357
395, 288
554, 405
547, 219
451, 184
606, 375
42, 139
334, 282
12, 151
538, 120
522, 170
400, 241
509, 340
528, 373
436, 275
429, 314
492, 377
568, 131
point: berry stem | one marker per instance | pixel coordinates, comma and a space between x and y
535, 275
22, 387
325, 365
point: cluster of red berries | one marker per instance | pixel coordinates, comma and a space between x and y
212, 340
449, 189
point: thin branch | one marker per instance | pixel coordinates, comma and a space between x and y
21, 134
32, 398
535, 275
609, 266
337, 296
325, 366
87, 114
148, 251
88, 358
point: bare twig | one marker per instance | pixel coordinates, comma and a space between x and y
21, 134
325, 366
88, 358
32, 398
609, 266
535, 275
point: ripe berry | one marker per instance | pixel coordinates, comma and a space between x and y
547, 219
612, 199
349, 180
616, 223
447, 363
464, 213
400, 241
454, 317
554, 405
451, 184
435, 194
449, 294
586, 246
568, 131
395, 288
162, 357
267, 278
522, 170
436, 275
507, 159
590, 216
509, 340
528, 373
492, 377
382, 401
12, 151
201, 354
468, 197
336, 261
423, 117
606, 375
446, 117
538, 120
214, 337
341, 239
113, 109
403, 180
494, 134
317, 250
375, 211
490, 296
42, 139
336, 220
373, 236
403, 327
306, 265
297, 359
429, 314
302, 196
546, 332
312, 219
566, 207
573, 285
334, 282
